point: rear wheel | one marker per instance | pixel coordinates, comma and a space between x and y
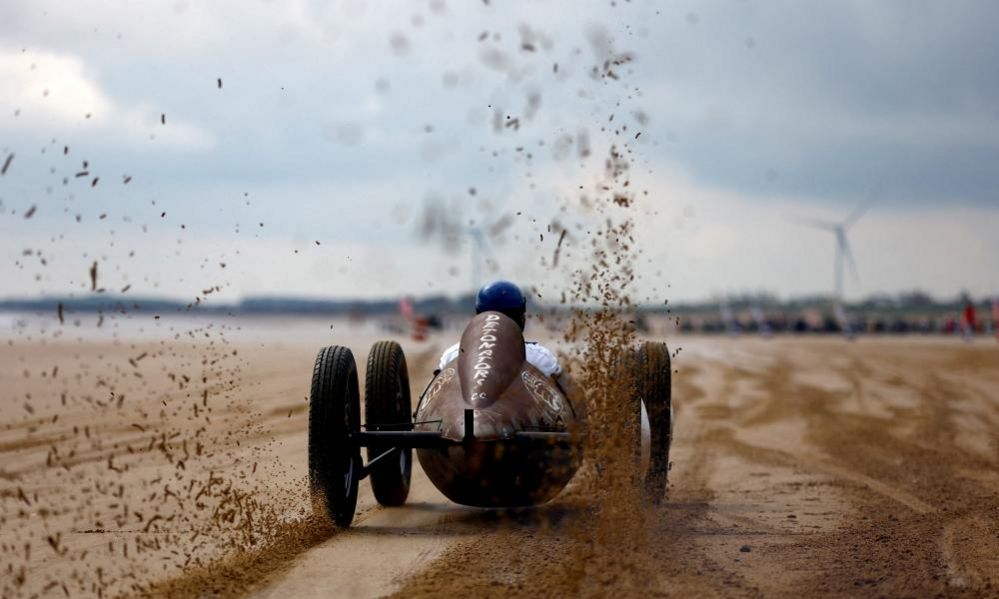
334, 413
653, 387
387, 408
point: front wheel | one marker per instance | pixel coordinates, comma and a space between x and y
334, 414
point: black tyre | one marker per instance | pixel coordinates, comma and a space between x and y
334, 413
387, 407
654, 388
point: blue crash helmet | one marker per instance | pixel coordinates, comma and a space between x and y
503, 297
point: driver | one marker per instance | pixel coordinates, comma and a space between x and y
506, 298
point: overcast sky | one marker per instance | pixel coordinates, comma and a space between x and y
338, 122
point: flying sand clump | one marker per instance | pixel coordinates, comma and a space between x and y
141, 451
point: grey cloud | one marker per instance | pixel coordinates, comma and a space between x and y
833, 95
819, 101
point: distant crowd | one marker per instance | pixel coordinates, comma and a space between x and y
968, 322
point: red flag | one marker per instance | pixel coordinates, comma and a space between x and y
995, 315
406, 307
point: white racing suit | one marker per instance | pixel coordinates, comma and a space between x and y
538, 356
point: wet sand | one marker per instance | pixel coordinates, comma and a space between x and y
800, 466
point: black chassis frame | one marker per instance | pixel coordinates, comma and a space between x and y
396, 440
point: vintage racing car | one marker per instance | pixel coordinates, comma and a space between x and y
490, 430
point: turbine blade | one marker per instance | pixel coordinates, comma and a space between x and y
860, 210
816, 223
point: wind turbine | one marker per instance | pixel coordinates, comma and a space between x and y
438, 223
843, 253
481, 248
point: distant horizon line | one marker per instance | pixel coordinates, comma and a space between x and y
451, 303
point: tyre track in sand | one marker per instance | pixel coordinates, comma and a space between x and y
916, 454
